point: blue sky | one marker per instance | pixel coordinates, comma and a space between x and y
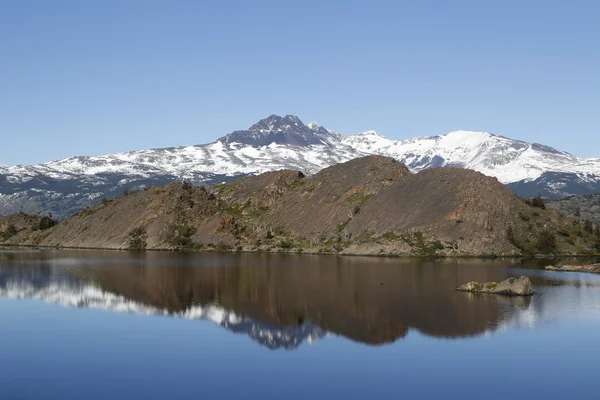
95, 77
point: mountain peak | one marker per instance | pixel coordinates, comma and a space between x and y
314, 125
288, 130
369, 133
275, 123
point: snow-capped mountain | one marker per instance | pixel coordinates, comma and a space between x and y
528, 168
65, 186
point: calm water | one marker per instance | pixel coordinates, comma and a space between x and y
100, 325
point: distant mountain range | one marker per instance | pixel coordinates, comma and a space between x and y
66, 186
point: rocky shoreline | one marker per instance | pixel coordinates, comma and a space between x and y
590, 268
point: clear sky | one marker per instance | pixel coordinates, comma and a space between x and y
94, 77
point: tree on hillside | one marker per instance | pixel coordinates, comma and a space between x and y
588, 226
538, 202
137, 239
546, 243
46, 223
11, 230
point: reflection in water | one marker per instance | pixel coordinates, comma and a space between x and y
90, 296
281, 301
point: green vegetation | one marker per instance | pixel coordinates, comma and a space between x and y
546, 243
46, 222
359, 198
564, 233
580, 208
10, 231
180, 237
588, 227
137, 239
286, 244
537, 201
420, 245
512, 239
187, 185
222, 246
87, 211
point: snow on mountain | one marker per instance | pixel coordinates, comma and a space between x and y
266, 146
506, 159
65, 186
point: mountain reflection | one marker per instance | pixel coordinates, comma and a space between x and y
278, 301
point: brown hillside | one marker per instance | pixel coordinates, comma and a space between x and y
323, 202
371, 205
458, 206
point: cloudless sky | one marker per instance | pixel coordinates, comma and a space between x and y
95, 77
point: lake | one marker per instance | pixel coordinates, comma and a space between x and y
120, 325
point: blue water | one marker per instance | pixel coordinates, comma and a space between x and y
58, 341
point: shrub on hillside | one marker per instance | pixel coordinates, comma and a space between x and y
10, 231
181, 237
186, 185
588, 226
46, 223
222, 246
137, 239
512, 238
546, 243
286, 244
537, 201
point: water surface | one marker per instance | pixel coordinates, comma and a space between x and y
82, 324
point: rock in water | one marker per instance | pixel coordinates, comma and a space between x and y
514, 287
509, 287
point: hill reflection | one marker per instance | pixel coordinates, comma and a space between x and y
279, 301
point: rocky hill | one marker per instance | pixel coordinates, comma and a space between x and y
371, 205
581, 208
64, 187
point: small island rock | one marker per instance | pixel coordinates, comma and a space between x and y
591, 268
509, 287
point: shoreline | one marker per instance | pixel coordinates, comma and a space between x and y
295, 252
593, 268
